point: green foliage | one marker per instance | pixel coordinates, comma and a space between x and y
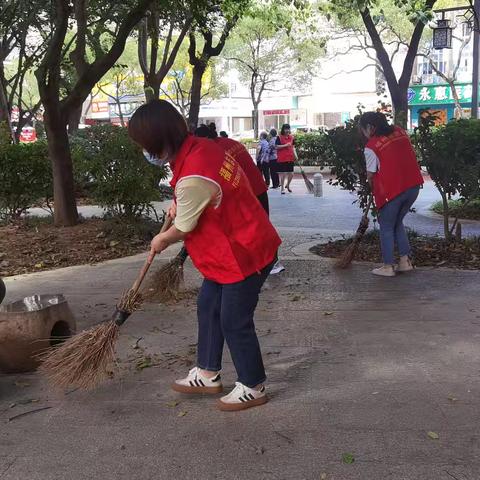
348, 160
451, 155
313, 148
460, 208
113, 169
25, 178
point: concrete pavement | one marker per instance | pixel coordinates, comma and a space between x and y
357, 365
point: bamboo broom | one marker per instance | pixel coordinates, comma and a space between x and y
166, 281
307, 181
85, 360
349, 254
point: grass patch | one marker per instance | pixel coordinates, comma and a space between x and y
457, 208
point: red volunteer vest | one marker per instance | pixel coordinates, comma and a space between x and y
241, 155
235, 238
285, 154
399, 169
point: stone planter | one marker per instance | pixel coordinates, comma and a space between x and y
2, 290
30, 326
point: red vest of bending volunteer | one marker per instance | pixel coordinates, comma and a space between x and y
235, 238
398, 170
241, 155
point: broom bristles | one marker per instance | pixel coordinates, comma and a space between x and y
349, 254
83, 361
165, 282
308, 183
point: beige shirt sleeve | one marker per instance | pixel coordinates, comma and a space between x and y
194, 195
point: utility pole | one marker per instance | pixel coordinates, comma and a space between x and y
476, 49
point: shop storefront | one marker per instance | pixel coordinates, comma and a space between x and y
437, 100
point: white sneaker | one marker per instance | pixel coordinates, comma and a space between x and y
405, 265
385, 271
277, 268
195, 382
241, 398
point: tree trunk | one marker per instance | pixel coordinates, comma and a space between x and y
5, 111
446, 216
196, 96
152, 89
74, 119
120, 114
65, 209
400, 107
255, 120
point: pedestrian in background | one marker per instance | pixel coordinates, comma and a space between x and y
263, 157
287, 156
273, 159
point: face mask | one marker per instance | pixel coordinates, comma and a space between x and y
155, 160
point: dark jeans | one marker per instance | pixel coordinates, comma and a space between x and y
265, 169
263, 199
392, 230
225, 313
274, 174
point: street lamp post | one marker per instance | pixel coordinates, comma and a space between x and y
442, 38
476, 45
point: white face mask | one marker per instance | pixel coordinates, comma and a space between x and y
155, 159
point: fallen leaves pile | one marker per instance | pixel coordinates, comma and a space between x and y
31, 247
427, 251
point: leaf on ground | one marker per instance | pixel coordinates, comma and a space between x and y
433, 435
144, 363
295, 298
452, 398
328, 313
19, 383
348, 458
114, 243
181, 414
39, 265
173, 404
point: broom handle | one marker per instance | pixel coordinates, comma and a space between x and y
369, 205
136, 285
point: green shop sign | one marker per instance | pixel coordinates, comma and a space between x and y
438, 94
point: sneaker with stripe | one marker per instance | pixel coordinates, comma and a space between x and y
195, 382
241, 398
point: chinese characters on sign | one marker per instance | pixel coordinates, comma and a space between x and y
438, 94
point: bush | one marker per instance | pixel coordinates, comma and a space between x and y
113, 169
313, 148
25, 178
451, 155
348, 160
460, 209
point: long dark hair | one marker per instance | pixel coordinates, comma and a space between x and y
158, 127
285, 126
379, 121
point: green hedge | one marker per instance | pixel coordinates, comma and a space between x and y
25, 178
113, 171
313, 148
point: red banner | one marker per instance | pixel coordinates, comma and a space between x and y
266, 113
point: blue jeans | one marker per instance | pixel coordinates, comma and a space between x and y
225, 313
392, 230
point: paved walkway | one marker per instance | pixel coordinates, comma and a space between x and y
356, 364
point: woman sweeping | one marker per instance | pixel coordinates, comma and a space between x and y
395, 178
286, 157
231, 242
